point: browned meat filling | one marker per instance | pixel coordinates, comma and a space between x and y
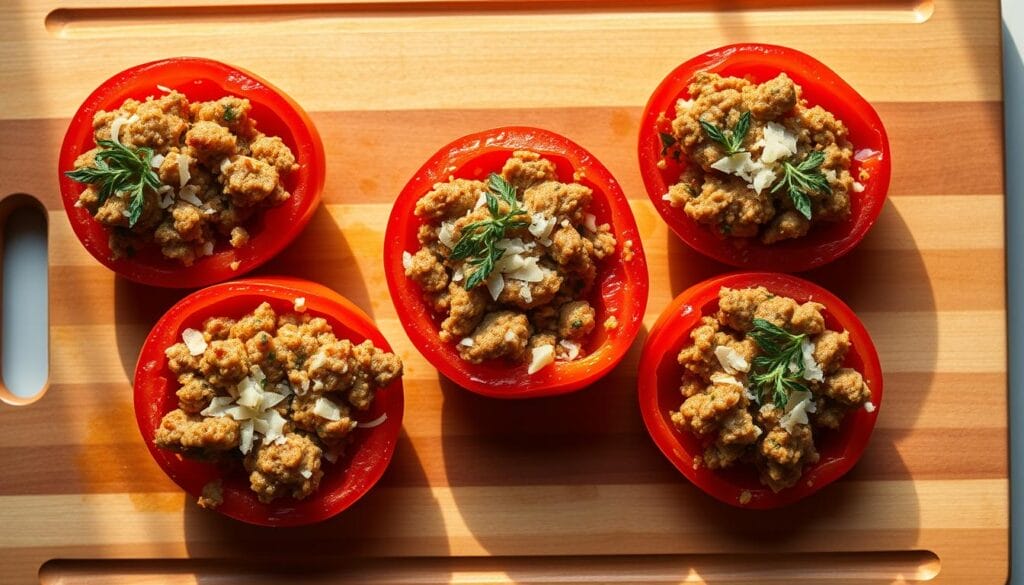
531, 305
758, 161
213, 170
732, 402
279, 393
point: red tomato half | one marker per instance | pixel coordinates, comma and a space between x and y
620, 288
821, 86
343, 482
271, 229
660, 374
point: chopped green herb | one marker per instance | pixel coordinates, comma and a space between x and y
669, 144
271, 356
731, 140
120, 170
229, 113
803, 179
779, 369
478, 242
577, 323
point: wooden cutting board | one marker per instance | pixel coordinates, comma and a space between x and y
558, 490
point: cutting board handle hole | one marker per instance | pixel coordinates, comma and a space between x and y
24, 290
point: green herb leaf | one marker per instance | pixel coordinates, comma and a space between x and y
120, 170
779, 370
669, 144
478, 241
229, 113
731, 140
803, 179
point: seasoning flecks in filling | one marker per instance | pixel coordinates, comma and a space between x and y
278, 392
759, 162
762, 378
180, 176
509, 262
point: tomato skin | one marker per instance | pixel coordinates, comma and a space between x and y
344, 482
271, 229
821, 86
660, 373
620, 288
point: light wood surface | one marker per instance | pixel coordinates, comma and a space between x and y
543, 487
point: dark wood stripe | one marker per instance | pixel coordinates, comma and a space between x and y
395, 143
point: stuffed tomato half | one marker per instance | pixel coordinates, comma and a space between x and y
761, 388
185, 172
272, 400
762, 157
515, 264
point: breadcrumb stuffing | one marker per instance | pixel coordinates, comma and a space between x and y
723, 408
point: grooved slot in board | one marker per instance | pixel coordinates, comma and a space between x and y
92, 22
855, 567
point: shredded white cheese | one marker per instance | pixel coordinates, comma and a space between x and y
720, 378
183, 174
683, 106
739, 164
188, 194
406, 261
865, 154
543, 356
572, 349
763, 179
115, 126
446, 234
245, 442
306, 473
779, 143
799, 405
812, 371
164, 88
194, 341
481, 200
869, 406
526, 293
300, 304
732, 362
466, 342
207, 248
324, 408
510, 336
541, 227
156, 161
590, 222
858, 187
375, 422
495, 284
457, 275
224, 164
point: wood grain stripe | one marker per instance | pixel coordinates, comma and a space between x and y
588, 516
359, 140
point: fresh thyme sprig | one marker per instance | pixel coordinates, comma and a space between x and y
780, 367
120, 169
731, 140
478, 242
803, 179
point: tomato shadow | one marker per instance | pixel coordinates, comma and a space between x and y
399, 515
137, 307
322, 254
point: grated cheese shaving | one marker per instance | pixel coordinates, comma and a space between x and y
306, 473
526, 293
194, 341
812, 371
510, 336
865, 154
858, 187
183, 174
799, 405
164, 88
406, 261
541, 227
245, 443
869, 406
300, 304
467, 342
188, 194
731, 361
590, 222
495, 284
324, 408
778, 143
446, 234
375, 422
572, 349
156, 161
543, 356
115, 126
